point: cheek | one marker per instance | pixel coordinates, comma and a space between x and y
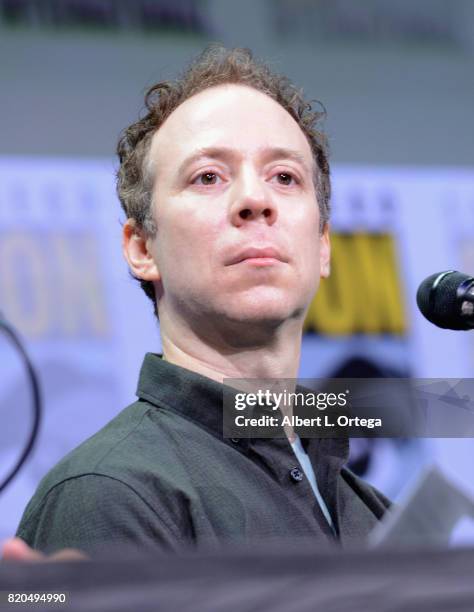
187, 239
309, 252
308, 236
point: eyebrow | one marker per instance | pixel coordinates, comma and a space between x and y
267, 154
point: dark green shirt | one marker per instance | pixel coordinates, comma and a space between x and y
161, 474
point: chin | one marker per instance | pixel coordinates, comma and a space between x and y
271, 313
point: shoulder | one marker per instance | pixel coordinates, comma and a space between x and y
121, 454
91, 455
108, 487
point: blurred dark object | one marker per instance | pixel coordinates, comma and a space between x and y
275, 579
7, 329
357, 366
434, 22
183, 16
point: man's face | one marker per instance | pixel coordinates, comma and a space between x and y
233, 184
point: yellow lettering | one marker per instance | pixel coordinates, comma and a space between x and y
23, 286
363, 293
332, 312
82, 306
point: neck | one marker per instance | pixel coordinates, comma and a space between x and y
237, 350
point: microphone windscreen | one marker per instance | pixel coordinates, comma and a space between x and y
438, 302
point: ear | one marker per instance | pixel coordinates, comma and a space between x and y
325, 252
137, 252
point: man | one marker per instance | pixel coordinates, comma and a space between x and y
225, 185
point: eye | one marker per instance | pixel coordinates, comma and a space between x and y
284, 178
206, 178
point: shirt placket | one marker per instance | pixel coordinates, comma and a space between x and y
278, 457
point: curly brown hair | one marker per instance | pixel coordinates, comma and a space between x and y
215, 66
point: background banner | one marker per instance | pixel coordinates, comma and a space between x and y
86, 324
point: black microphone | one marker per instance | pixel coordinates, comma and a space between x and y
447, 300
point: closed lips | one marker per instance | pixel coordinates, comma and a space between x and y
254, 253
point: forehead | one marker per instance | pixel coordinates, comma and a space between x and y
233, 116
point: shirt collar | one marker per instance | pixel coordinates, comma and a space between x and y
189, 394
199, 399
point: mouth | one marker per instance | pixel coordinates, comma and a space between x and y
258, 257
260, 261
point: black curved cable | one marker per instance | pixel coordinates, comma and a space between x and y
10, 332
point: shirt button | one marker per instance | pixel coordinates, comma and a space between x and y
296, 475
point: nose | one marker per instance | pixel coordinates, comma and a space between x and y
251, 200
